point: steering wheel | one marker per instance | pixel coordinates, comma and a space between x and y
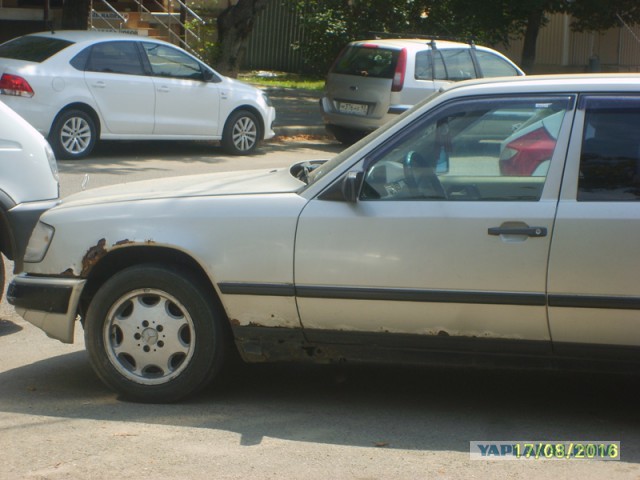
420, 176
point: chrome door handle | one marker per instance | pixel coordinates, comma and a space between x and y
526, 231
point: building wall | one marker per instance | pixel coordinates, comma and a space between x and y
560, 49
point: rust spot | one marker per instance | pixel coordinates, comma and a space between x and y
442, 333
235, 322
93, 256
122, 242
68, 273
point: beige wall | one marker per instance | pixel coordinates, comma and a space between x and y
560, 49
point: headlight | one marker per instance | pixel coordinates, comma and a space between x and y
39, 243
52, 162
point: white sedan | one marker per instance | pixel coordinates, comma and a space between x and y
76, 87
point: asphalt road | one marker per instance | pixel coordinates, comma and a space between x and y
57, 420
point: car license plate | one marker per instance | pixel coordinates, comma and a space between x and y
353, 108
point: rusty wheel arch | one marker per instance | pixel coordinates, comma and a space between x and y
113, 261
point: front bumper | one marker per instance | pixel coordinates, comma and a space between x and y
268, 124
50, 304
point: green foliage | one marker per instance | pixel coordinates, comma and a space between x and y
330, 24
207, 48
597, 15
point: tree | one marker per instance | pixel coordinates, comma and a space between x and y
330, 24
587, 15
235, 24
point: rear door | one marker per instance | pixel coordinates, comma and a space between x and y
452, 256
594, 291
360, 81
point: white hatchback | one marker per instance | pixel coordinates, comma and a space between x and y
372, 81
77, 87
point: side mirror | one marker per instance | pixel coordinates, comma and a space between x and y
346, 189
351, 186
207, 75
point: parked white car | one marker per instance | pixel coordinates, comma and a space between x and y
77, 87
410, 246
372, 81
28, 184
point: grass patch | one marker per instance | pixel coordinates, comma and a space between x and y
283, 80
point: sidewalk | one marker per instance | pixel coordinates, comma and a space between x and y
297, 112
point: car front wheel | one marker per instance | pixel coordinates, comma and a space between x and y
241, 133
73, 135
154, 335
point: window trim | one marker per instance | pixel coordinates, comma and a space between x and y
419, 123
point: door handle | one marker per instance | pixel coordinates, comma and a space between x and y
163, 89
99, 85
526, 231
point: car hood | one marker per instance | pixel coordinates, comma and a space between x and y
216, 184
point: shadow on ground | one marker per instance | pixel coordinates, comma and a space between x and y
393, 407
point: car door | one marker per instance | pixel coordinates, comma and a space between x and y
123, 92
439, 249
186, 104
594, 293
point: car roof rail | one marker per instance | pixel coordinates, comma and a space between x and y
432, 38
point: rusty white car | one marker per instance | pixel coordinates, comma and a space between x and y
410, 246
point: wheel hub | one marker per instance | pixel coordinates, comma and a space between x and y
150, 336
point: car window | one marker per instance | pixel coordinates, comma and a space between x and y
114, 57
610, 154
424, 65
491, 65
458, 153
33, 48
455, 64
166, 61
367, 61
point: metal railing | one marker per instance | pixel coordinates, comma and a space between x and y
163, 17
105, 17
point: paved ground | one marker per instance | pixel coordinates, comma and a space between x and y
297, 112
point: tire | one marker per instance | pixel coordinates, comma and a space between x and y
73, 135
154, 335
345, 136
241, 133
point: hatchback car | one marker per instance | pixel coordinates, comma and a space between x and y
28, 184
77, 87
373, 81
410, 246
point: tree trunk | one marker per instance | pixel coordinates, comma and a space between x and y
534, 22
75, 15
235, 24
